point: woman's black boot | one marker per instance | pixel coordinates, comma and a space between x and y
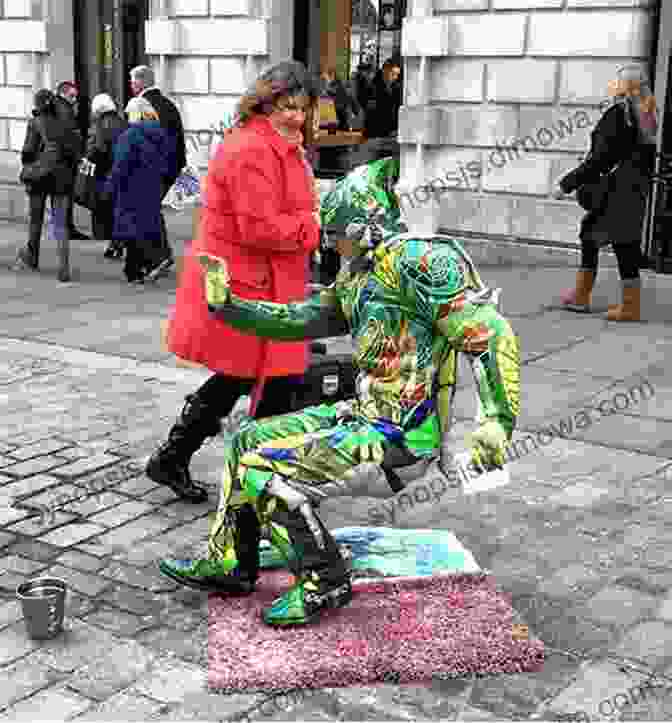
169, 465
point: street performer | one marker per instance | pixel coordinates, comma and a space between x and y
411, 304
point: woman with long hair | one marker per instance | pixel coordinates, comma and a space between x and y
622, 146
260, 213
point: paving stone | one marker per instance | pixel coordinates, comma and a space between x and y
595, 683
90, 585
170, 681
79, 644
29, 486
6, 539
139, 529
572, 632
213, 706
94, 502
35, 466
21, 565
15, 643
7, 461
112, 672
80, 561
62, 704
34, 550
650, 641
122, 624
192, 647
159, 496
11, 580
619, 606
124, 706
133, 600
144, 579
86, 466
39, 449
36, 526
125, 512
72, 534
138, 486
664, 611
58, 497
23, 679
79, 606
570, 578
184, 511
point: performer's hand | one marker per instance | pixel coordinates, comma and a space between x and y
217, 280
488, 445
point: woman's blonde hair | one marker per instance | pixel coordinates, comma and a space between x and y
633, 89
139, 109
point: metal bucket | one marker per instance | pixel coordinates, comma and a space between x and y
43, 604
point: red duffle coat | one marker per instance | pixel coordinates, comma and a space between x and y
258, 215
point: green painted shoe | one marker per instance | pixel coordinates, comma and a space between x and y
304, 603
209, 575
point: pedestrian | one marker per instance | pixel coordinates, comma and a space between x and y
259, 212
106, 127
140, 159
384, 101
620, 162
68, 109
345, 102
143, 85
48, 157
413, 304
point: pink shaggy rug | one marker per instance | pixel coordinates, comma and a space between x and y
407, 631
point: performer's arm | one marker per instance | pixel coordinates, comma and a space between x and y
318, 317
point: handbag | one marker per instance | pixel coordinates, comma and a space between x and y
49, 157
592, 196
329, 378
85, 192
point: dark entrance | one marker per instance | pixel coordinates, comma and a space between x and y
109, 41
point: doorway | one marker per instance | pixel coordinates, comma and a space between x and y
109, 41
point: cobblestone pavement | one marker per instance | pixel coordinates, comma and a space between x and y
581, 539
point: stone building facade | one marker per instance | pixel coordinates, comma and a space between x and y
500, 95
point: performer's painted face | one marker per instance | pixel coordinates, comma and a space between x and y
347, 247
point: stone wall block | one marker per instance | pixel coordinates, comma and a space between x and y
608, 34
227, 75
16, 102
189, 7
455, 168
233, 36
451, 6
526, 4
188, 75
243, 8
16, 134
546, 220
485, 35
611, 3
420, 8
20, 68
420, 124
521, 81
424, 36
455, 79
23, 36
586, 81
555, 130
415, 93
18, 9
530, 174
475, 213
478, 126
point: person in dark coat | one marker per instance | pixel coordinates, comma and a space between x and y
345, 102
105, 129
384, 101
141, 158
53, 145
622, 145
143, 85
69, 109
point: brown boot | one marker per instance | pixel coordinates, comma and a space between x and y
630, 309
579, 298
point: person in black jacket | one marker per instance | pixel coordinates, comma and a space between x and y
68, 108
623, 146
106, 127
50, 152
384, 101
143, 84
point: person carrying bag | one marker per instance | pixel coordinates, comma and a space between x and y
612, 184
48, 160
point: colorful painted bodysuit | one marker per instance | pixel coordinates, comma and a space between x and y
411, 305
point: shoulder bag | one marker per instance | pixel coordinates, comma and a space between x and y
86, 190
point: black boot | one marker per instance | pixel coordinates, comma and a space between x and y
169, 465
214, 575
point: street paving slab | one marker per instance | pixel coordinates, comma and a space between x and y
580, 539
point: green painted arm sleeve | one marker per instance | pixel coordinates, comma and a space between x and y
486, 336
318, 317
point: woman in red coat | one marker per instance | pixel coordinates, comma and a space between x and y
259, 214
